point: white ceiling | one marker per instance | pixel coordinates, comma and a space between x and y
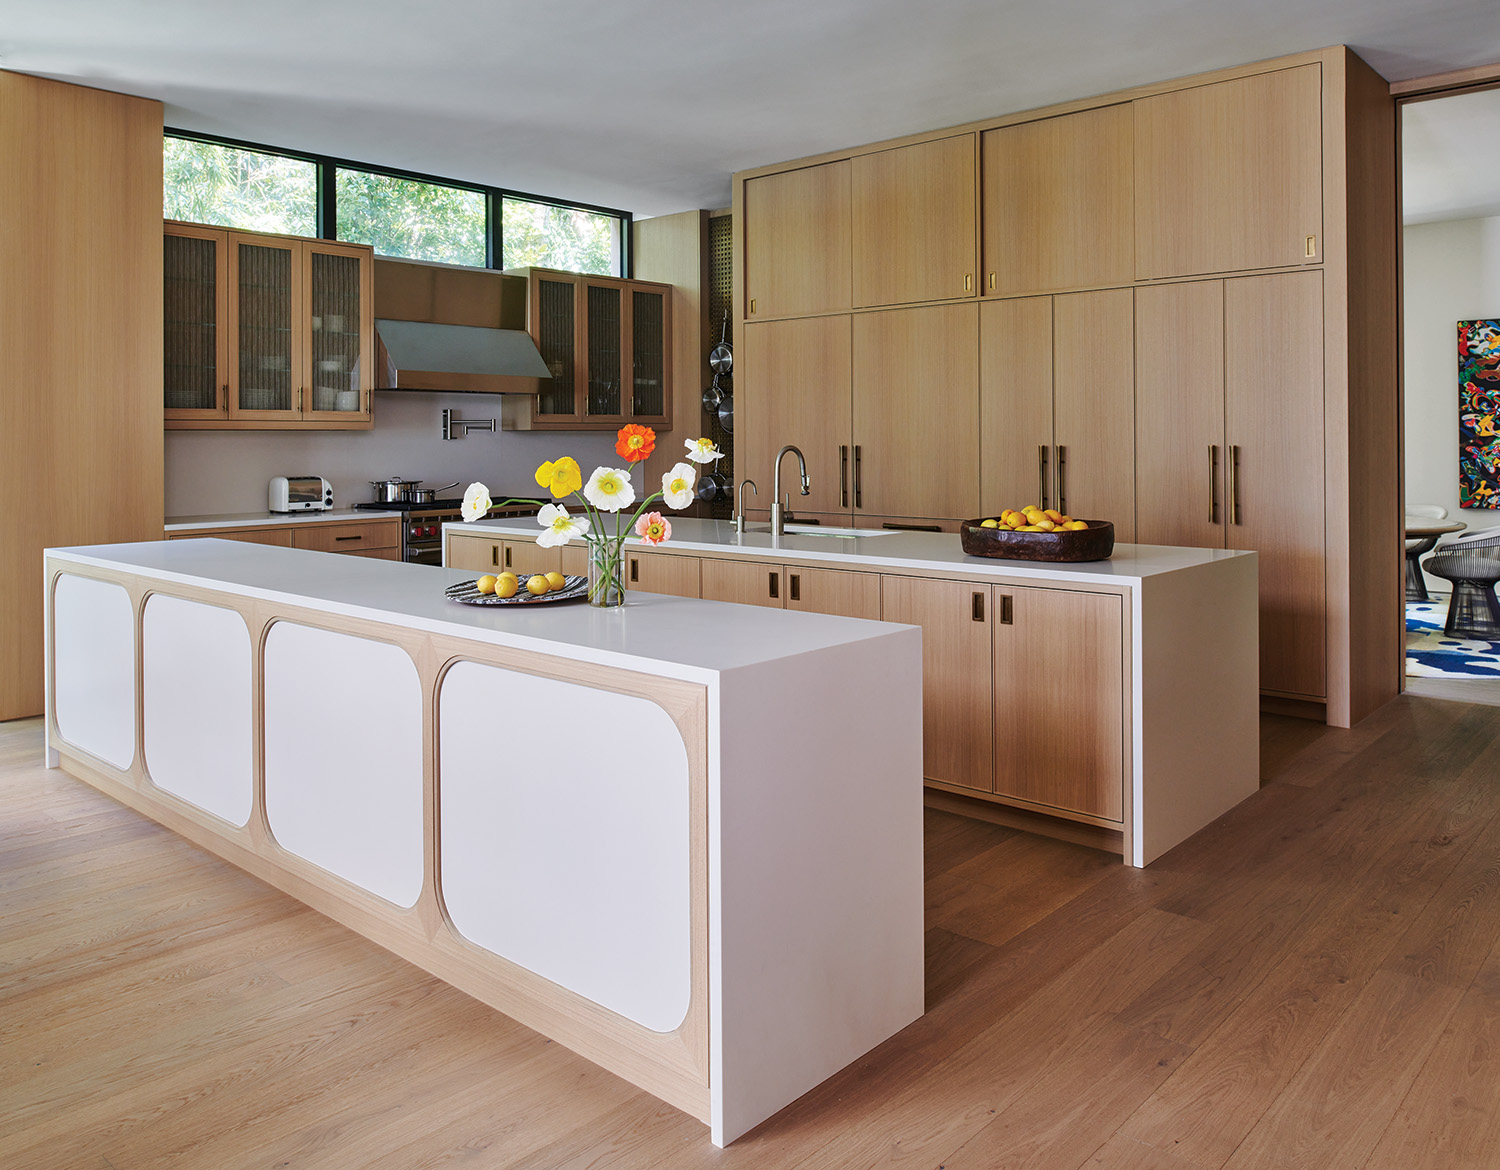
650, 105
1450, 164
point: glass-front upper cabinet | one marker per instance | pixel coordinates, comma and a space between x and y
554, 320
195, 349
606, 359
650, 343
266, 332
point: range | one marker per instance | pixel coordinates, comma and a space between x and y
422, 532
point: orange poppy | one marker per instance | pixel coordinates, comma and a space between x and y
635, 442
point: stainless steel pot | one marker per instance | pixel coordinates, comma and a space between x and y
420, 495
389, 491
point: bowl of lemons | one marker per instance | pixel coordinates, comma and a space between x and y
509, 589
1037, 534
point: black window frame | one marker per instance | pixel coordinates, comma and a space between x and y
494, 247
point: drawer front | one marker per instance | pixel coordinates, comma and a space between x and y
281, 537
346, 537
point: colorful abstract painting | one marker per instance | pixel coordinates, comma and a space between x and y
1478, 413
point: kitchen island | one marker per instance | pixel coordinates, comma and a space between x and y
1112, 702
683, 839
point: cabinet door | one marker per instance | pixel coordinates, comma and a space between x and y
523, 558
267, 306
475, 554
742, 582
341, 322
796, 229
795, 387
605, 307
1059, 700
1093, 407
1058, 207
656, 572
1273, 405
833, 591
956, 682
575, 558
1179, 414
195, 318
1229, 176
650, 343
555, 314
345, 538
1015, 404
278, 537
914, 223
916, 411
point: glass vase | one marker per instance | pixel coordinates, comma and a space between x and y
607, 573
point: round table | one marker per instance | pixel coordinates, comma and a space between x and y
1424, 532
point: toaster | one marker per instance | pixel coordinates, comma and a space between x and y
300, 493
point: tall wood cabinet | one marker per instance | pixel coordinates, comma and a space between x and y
797, 242
266, 332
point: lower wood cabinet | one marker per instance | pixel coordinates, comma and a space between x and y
656, 572
830, 591
379, 539
482, 554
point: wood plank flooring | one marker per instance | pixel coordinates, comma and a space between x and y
1313, 981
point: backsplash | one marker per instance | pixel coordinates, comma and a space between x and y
214, 472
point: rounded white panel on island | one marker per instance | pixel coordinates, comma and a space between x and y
564, 828
343, 728
195, 704
93, 671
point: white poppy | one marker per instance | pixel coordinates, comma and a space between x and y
609, 489
560, 527
677, 485
702, 450
477, 502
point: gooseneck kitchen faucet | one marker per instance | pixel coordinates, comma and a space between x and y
778, 512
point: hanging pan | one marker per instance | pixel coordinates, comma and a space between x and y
721, 357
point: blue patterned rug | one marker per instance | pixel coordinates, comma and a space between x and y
1432, 654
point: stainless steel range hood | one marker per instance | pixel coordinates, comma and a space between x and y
446, 328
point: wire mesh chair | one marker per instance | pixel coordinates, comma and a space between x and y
1418, 547
1472, 563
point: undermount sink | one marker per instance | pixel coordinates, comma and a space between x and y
828, 530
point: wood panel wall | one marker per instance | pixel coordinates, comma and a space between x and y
81, 331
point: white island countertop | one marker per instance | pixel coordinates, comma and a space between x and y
260, 519
890, 550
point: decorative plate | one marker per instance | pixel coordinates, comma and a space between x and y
467, 593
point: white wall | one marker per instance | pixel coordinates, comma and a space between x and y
214, 472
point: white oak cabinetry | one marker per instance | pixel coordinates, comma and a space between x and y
1229, 176
658, 572
484, 554
797, 242
1086, 213
1229, 431
1056, 397
754, 582
914, 223
365, 538
266, 332
1058, 206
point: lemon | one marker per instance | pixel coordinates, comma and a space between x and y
989, 524
508, 574
485, 584
536, 584
506, 587
556, 580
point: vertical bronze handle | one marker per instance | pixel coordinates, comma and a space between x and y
992, 281
859, 496
226, 397
301, 393
1007, 610
1213, 484
976, 606
507, 556
1041, 475
752, 306
774, 585
635, 569
495, 555
1234, 484
796, 589
1062, 483
844, 476
968, 282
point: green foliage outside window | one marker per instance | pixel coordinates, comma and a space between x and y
542, 235
249, 189
404, 217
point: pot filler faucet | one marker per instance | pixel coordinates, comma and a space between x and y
778, 511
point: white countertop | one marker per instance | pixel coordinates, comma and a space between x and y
896, 551
246, 519
673, 636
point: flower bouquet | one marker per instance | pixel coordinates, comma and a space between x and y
605, 498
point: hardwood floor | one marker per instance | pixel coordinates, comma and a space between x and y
1312, 981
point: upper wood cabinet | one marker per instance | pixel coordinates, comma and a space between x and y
606, 341
266, 332
1058, 202
915, 223
796, 230
1228, 176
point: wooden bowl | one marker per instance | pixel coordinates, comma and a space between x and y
1094, 543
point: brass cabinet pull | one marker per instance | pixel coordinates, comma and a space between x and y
752, 306
1213, 485
1007, 610
495, 555
976, 606
796, 587
507, 556
1234, 484
859, 495
635, 569
844, 476
968, 282
1062, 483
1310, 246
992, 281
1041, 475
774, 584
301, 393
226, 397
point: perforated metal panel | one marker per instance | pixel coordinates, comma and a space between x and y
720, 309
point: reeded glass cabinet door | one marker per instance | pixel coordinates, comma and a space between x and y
195, 380
556, 328
338, 301
267, 294
648, 354
606, 360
